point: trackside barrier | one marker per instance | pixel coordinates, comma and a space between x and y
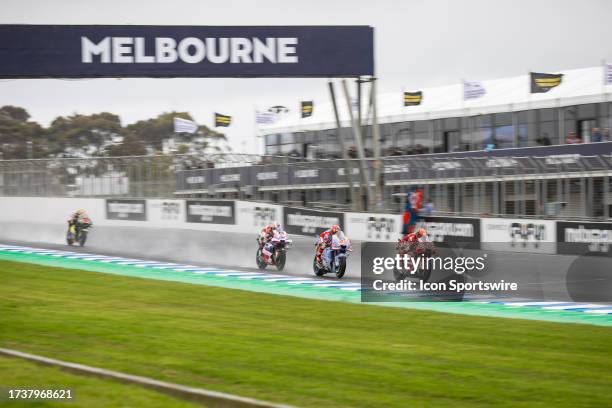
249, 217
200, 395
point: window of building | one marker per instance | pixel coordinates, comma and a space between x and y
527, 128
548, 133
272, 149
404, 137
547, 115
503, 119
504, 136
286, 138
588, 111
271, 139
451, 124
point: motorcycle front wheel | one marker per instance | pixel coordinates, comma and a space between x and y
397, 274
280, 258
82, 238
69, 238
425, 275
315, 267
341, 268
261, 264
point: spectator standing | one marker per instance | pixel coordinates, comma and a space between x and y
572, 138
596, 135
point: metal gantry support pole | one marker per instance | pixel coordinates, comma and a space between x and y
365, 174
378, 182
606, 197
355, 202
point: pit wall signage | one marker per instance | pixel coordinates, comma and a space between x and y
127, 210
582, 238
374, 227
519, 235
254, 216
166, 212
210, 212
453, 231
310, 222
34, 51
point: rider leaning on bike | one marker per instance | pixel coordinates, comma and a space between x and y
411, 241
265, 239
267, 233
79, 218
325, 240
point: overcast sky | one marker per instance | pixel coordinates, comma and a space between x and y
418, 44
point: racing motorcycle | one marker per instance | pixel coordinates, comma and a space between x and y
333, 259
424, 250
274, 252
78, 235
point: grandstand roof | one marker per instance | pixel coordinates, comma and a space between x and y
579, 86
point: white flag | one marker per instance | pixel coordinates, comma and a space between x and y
608, 74
184, 126
473, 90
265, 118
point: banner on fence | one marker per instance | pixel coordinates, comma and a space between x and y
518, 235
310, 222
210, 212
580, 238
127, 210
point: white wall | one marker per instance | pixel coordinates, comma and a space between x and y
250, 217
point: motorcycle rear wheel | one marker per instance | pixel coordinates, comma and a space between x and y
280, 259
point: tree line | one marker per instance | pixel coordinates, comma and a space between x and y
96, 135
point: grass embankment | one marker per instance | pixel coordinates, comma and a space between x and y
87, 391
300, 351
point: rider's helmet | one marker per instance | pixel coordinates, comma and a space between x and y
421, 232
334, 229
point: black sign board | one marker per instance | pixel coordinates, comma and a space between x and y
453, 231
584, 238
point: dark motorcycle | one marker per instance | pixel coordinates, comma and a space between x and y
77, 232
274, 252
424, 250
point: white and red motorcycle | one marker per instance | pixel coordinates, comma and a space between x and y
273, 252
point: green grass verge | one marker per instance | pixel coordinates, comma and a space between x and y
300, 351
87, 391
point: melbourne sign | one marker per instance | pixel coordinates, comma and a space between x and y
185, 51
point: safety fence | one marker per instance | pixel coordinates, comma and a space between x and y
569, 186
